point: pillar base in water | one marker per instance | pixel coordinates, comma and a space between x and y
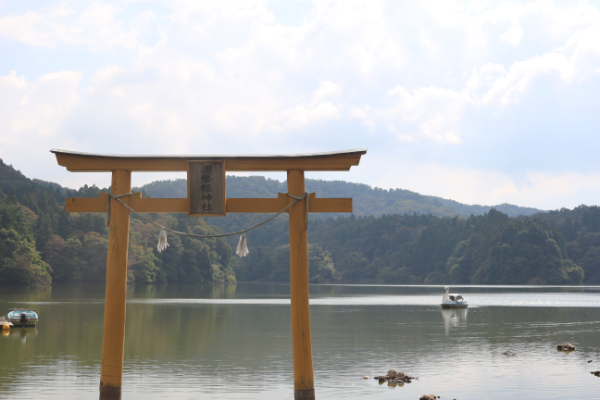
308, 394
110, 393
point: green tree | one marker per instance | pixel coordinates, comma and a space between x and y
354, 267
69, 265
12, 196
20, 263
146, 269
94, 250
321, 268
43, 232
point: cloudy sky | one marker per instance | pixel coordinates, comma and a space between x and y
480, 102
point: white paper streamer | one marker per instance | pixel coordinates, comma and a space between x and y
162, 241
242, 248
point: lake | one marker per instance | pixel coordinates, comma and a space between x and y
234, 342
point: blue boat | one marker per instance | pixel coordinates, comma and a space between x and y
453, 300
22, 317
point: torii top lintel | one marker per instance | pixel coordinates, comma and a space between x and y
86, 162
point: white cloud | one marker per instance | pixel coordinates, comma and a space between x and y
32, 115
226, 77
513, 35
319, 109
327, 89
35, 110
511, 87
436, 111
97, 27
485, 76
537, 189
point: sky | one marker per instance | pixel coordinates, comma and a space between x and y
480, 102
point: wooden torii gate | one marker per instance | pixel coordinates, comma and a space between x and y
118, 240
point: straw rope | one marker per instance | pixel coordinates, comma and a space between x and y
164, 228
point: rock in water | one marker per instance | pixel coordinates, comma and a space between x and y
393, 376
597, 373
428, 397
565, 347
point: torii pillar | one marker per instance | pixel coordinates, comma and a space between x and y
118, 242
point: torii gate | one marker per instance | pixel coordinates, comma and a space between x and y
118, 239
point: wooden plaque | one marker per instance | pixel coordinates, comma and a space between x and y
206, 188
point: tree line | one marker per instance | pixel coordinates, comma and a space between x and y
423, 249
41, 244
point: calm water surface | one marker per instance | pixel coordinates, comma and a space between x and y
234, 342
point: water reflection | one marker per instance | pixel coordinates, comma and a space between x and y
454, 318
234, 341
20, 334
182, 292
393, 384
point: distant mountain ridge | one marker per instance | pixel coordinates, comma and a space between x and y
366, 200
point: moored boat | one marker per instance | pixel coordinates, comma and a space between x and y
453, 300
22, 317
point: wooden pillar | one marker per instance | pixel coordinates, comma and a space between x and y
113, 340
301, 343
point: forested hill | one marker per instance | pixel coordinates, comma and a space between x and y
40, 243
422, 249
366, 200
580, 230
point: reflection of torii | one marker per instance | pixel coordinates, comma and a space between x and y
121, 168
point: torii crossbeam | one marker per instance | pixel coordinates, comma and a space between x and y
121, 168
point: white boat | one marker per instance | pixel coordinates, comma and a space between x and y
453, 300
22, 317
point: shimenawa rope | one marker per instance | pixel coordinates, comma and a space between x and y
242, 248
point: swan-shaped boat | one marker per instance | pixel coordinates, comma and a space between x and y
453, 300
